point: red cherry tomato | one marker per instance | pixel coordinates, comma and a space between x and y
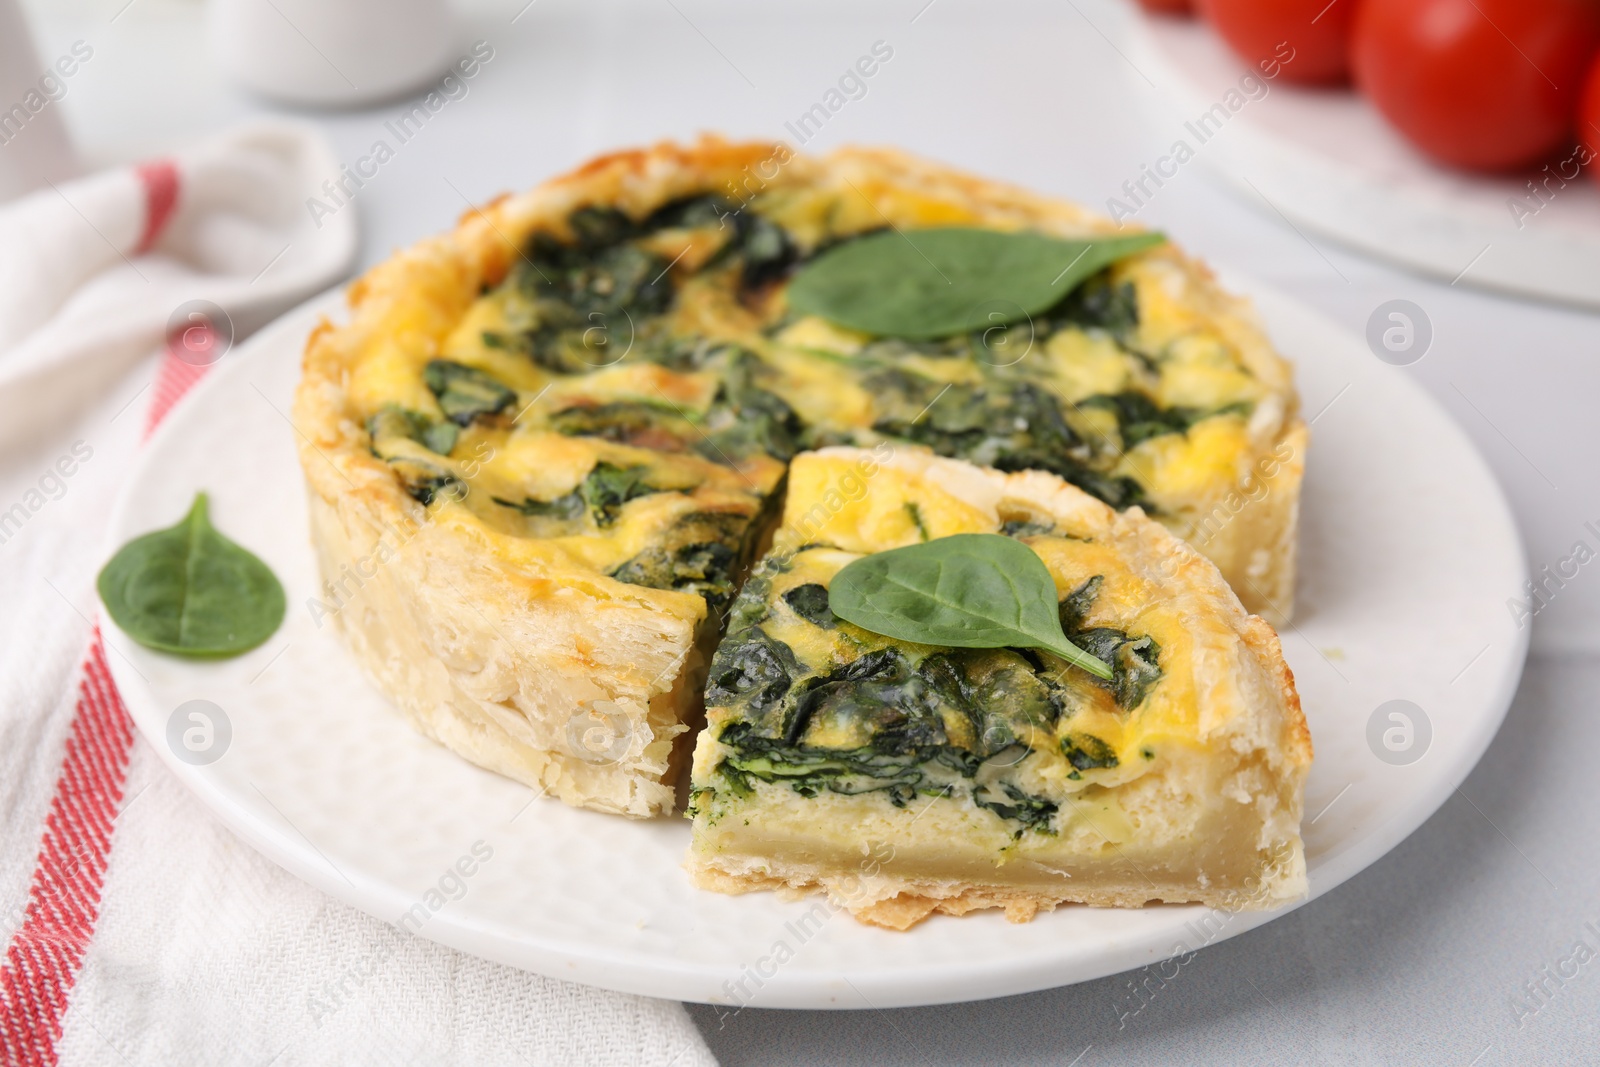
1308, 39
1168, 7
1589, 121
1486, 85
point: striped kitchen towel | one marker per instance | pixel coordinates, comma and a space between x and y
138, 930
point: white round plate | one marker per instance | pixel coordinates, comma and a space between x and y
1326, 159
1408, 556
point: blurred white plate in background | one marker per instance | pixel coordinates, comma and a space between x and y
1326, 160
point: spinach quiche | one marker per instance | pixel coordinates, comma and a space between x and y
907, 778
546, 446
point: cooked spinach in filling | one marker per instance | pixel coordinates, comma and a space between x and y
848, 712
666, 346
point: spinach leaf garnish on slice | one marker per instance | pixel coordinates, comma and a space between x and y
189, 590
965, 591
939, 282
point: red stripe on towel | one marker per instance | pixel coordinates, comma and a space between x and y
160, 178
176, 376
43, 960
44, 957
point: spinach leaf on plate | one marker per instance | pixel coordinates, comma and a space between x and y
191, 591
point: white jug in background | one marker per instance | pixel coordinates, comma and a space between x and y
34, 146
332, 53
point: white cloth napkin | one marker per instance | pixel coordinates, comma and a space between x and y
136, 928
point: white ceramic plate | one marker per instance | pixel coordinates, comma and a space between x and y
1409, 554
1327, 159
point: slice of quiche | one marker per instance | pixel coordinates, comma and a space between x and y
905, 779
546, 445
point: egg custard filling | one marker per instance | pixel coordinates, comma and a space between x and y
655, 360
547, 446
905, 778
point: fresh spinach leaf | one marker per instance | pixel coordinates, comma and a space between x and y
191, 591
965, 591
940, 282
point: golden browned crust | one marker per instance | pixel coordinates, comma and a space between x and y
495, 649
912, 902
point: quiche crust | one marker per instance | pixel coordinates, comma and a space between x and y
516, 652
1197, 791
502, 650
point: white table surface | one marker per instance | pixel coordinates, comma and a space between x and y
1419, 959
